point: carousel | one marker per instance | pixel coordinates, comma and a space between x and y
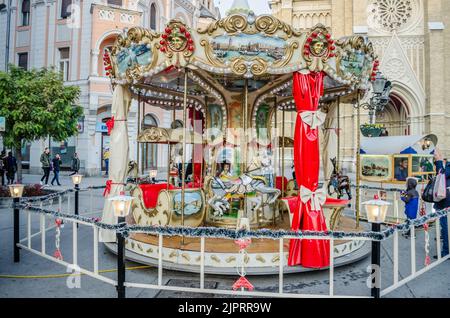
235, 82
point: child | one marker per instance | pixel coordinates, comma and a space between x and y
411, 199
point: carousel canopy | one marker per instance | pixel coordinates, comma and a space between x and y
399, 145
242, 50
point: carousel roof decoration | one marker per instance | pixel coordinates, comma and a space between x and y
158, 135
240, 48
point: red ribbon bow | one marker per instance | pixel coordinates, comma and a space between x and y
242, 282
58, 255
243, 243
109, 183
108, 188
110, 125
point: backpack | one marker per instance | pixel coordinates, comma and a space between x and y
428, 192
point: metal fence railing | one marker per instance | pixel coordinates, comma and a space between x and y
43, 209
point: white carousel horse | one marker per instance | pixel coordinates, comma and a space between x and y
243, 185
133, 171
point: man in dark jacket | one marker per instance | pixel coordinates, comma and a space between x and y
11, 167
45, 164
75, 164
444, 203
3, 166
56, 168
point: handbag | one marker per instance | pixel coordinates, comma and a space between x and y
440, 188
428, 192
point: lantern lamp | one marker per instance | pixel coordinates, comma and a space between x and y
16, 190
376, 210
153, 173
121, 204
76, 179
379, 84
426, 144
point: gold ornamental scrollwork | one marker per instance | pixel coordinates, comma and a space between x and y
153, 135
259, 67
239, 23
230, 24
270, 25
209, 53
238, 67
288, 56
136, 36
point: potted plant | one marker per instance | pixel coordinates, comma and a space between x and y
372, 130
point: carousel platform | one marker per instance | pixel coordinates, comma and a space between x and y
222, 258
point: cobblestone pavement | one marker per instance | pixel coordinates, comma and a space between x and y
32, 272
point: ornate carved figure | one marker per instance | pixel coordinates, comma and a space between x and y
339, 183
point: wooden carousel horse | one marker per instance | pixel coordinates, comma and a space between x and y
339, 183
132, 172
243, 185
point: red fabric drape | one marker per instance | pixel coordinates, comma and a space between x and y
307, 90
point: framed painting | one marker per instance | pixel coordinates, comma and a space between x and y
377, 168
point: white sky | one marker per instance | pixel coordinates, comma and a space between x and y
258, 6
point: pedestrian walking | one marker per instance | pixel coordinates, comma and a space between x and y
106, 156
3, 166
75, 164
45, 164
440, 168
56, 163
11, 167
411, 199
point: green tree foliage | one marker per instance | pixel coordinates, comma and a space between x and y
36, 104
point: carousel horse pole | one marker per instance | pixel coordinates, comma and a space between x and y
138, 145
183, 159
338, 146
245, 148
358, 158
277, 159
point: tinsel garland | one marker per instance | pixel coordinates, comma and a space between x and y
375, 188
52, 196
213, 232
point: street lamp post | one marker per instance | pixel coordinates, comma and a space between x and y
76, 179
376, 214
381, 91
121, 206
16, 191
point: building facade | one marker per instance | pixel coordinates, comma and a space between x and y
72, 36
412, 40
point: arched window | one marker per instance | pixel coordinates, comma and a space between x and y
153, 17
150, 151
25, 12
65, 13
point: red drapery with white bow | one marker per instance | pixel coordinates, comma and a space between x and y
307, 90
